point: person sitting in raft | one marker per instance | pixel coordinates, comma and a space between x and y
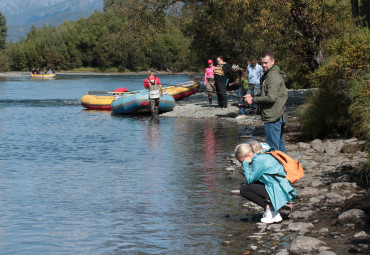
263, 186
153, 84
119, 90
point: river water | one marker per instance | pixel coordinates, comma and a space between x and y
74, 181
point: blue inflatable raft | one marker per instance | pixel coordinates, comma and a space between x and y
139, 102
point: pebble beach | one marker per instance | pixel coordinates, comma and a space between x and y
330, 216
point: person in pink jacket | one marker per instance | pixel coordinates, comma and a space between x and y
209, 80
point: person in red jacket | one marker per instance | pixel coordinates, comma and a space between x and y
153, 84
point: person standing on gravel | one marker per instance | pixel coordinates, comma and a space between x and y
209, 80
265, 182
271, 102
221, 72
255, 73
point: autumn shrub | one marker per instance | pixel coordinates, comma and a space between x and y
335, 108
5, 62
359, 109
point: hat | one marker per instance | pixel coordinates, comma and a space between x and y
210, 61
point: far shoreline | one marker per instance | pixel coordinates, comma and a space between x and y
22, 73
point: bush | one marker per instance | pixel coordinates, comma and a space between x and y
360, 106
341, 105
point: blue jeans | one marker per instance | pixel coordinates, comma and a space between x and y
241, 93
274, 132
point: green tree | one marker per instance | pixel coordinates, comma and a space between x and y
3, 31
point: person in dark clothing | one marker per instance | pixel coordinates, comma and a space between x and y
220, 74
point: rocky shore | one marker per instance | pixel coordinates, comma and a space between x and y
330, 216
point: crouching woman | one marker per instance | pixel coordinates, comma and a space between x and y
265, 184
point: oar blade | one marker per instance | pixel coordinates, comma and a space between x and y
97, 92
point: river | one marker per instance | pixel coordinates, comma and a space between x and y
74, 181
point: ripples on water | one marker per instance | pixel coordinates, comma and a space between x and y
74, 181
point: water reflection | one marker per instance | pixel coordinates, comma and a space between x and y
209, 161
153, 134
99, 183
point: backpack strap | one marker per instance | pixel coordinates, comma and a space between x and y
276, 175
152, 84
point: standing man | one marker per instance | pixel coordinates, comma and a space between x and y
272, 101
153, 84
220, 73
209, 80
255, 73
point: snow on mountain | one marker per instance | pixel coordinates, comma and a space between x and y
21, 14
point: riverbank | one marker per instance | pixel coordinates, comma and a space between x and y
331, 213
16, 74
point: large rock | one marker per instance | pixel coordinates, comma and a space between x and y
310, 191
355, 216
302, 244
318, 145
298, 226
304, 214
333, 148
343, 185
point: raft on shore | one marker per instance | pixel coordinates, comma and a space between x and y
182, 90
102, 100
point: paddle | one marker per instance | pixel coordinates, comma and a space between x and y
182, 85
106, 92
193, 77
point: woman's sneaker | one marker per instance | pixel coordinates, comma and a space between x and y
271, 217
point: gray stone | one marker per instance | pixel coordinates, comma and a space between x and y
333, 147
323, 230
318, 145
235, 192
309, 164
303, 146
361, 234
334, 162
230, 168
315, 183
301, 214
351, 141
297, 226
274, 227
304, 231
282, 252
333, 195
305, 244
327, 253
315, 200
309, 191
343, 185
253, 247
355, 216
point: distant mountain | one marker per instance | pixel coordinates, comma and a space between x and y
22, 14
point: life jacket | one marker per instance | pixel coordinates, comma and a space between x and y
218, 70
292, 168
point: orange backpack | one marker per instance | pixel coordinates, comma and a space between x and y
293, 169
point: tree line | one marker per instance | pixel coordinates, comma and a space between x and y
319, 43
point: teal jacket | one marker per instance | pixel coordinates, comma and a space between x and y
279, 189
274, 95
